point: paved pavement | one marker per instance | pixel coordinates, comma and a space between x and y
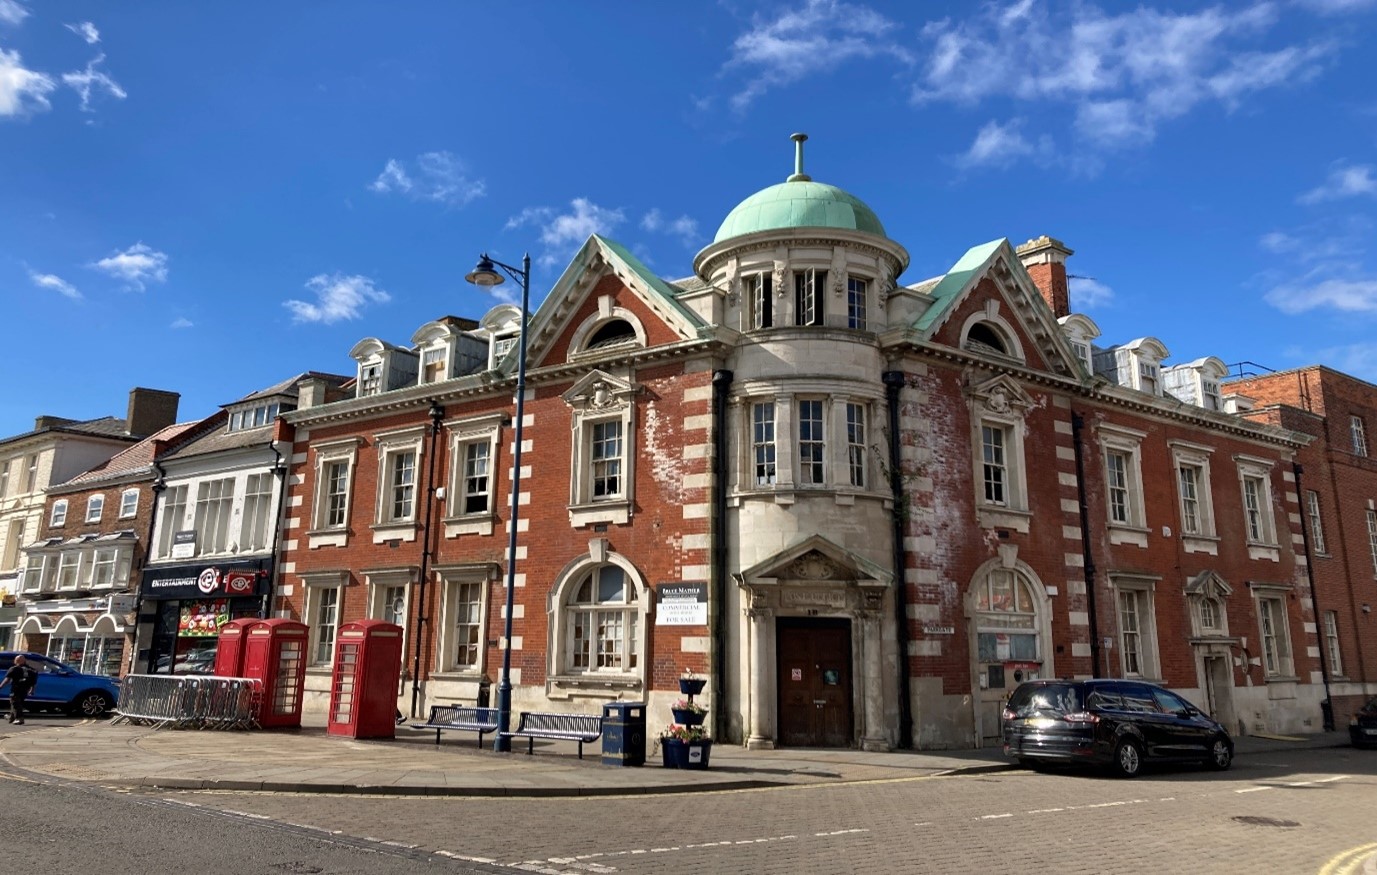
309, 761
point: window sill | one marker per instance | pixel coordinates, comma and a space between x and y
384, 532
1200, 544
1122, 534
1270, 552
327, 538
470, 524
593, 685
617, 512
991, 517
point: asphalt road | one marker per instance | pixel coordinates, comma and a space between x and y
1300, 811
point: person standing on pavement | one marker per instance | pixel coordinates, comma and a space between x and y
21, 679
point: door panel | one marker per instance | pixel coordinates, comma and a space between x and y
814, 672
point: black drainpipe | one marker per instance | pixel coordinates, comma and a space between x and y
159, 484
422, 623
894, 381
721, 385
1327, 706
280, 469
1077, 429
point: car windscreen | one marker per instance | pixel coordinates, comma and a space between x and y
1031, 700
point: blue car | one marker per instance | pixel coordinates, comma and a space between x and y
63, 687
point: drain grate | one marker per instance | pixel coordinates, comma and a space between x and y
1252, 820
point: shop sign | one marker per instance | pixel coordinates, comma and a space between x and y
238, 579
184, 544
682, 604
939, 630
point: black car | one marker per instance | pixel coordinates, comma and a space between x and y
1362, 729
1118, 723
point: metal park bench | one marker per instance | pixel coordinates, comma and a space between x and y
466, 717
569, 727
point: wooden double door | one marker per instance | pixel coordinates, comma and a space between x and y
813, 665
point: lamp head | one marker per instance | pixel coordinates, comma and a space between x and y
484, 274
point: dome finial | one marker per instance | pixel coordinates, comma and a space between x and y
798, 174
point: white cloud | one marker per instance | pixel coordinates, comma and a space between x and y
86, 30
440, 177
338, 297
1087, 293
821, 36
1343, 181
1345, 295
996, 144
563, 232
22, 90
181, 322
1338, 7
1124, 74
12, 13
137, 265
55, 283
91, 78
684, 227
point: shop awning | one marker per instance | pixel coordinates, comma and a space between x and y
108, 626
73, 625
35, 624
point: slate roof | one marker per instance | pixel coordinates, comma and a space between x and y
105, 426
132, 460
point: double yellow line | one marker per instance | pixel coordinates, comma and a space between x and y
1351, 861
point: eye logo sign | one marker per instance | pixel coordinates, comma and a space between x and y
208, 581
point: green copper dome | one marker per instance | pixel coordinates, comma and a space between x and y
799, 204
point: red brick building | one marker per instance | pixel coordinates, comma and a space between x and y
897, 501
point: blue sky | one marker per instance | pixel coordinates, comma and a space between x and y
210, 197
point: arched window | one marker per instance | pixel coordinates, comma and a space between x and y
614, 333
1006, 620
602, 623
982, 337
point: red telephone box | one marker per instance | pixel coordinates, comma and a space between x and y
363, 688
229, 651
275, 653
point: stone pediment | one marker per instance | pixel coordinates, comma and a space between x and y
1209, 585
817, 560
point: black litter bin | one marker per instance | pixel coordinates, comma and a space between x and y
623, 734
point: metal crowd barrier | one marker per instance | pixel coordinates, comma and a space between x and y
189, 701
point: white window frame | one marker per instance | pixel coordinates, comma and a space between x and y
760, 297
370, 378
129, 503
600, 398
473, 579
381, 583
116, 560
5, 477
31, 473
812, 467
256, 529
1140, 594
172, 508
316, 586
1196, 458
59, 514
634, 611
212, 516
391, 446
1331, 643
1210, 395
323, 532
1312, 510
68, 570
1127, 443
762, 430
482, 431
1372, 537
857, 303
1274, 632
14, 538
1259, 517
1001, 405
857, 450
810, 293
95, 507
1358, 433
1147, 376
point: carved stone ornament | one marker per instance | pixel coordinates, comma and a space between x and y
813, 566
781, 269
838, 276
884, 283
998, 400
874, 598
733, 278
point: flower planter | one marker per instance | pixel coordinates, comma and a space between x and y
689, 717
685, 754
692, 686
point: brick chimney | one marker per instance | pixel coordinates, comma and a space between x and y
151, 410
1045, 260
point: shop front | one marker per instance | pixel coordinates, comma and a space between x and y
88, 634
184, 606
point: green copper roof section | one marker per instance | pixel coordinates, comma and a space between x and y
799, 204
949, 289
653, 282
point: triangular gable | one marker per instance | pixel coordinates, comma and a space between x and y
1209, 585
596, 259
817, 558
998, 261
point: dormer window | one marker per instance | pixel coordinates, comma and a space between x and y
1148, 378
370, 379
500, 347
1082, 351
253, 417
433, 362
1211, 393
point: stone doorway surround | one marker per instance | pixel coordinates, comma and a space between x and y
816, 578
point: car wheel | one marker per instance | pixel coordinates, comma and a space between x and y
1221, 755
1128, 758
93, 704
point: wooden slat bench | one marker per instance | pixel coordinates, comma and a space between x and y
467, 717
570, 727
